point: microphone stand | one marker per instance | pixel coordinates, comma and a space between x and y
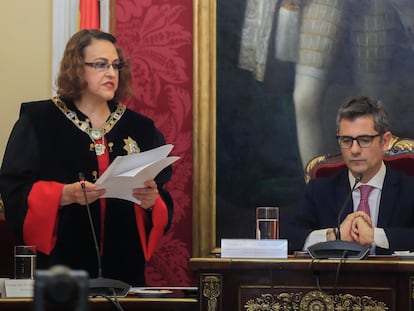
101, 286
338, 249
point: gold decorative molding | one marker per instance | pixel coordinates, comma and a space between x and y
204, 127
401, 145
311, 165
211, 287
314, 300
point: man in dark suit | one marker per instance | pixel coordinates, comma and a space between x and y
387, 224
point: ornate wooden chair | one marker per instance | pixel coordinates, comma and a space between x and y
400, 155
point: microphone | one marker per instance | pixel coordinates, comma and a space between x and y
339, 249
358, 178
101, 286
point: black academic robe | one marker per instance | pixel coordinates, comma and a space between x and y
46, 146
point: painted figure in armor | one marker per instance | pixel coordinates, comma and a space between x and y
312, 33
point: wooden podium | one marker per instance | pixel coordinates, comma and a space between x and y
376, 283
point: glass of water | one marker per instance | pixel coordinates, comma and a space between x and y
24, 261
267, 223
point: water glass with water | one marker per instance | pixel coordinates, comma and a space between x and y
267, 222
24, 261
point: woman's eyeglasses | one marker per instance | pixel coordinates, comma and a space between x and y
104, 66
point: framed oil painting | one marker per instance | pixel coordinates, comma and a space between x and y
269, 78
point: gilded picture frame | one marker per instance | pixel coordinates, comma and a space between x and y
204, 186
396, 95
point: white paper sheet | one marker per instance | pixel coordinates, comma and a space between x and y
131, 171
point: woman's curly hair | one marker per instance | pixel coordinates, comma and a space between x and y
70, 81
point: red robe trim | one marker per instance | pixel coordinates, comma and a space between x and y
103, 163
159, 221
40, 222
45, 212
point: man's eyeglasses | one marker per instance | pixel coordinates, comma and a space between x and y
104, 66
364, 141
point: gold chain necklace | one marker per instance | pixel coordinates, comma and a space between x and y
85, 126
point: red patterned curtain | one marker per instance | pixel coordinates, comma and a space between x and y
157, 36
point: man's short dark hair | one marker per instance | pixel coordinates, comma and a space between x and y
364, 106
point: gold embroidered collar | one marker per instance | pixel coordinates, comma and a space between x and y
85, 126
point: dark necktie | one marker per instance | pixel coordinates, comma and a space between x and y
365, 190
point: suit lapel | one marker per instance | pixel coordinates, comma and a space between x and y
388, 198
342, 191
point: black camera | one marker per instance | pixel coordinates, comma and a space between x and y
60, 288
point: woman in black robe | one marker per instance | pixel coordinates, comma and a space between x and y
83, 129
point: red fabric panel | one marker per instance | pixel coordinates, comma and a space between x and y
159, 221
142, 223
325, 170
103, 163
89, 14
157, 37
41, 218
404, 162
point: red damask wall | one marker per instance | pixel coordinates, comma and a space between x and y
157, 36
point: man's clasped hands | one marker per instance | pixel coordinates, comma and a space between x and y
356, 227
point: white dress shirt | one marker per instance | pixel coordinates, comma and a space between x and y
380, 238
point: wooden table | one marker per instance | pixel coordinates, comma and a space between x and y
128, 304
382, 283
